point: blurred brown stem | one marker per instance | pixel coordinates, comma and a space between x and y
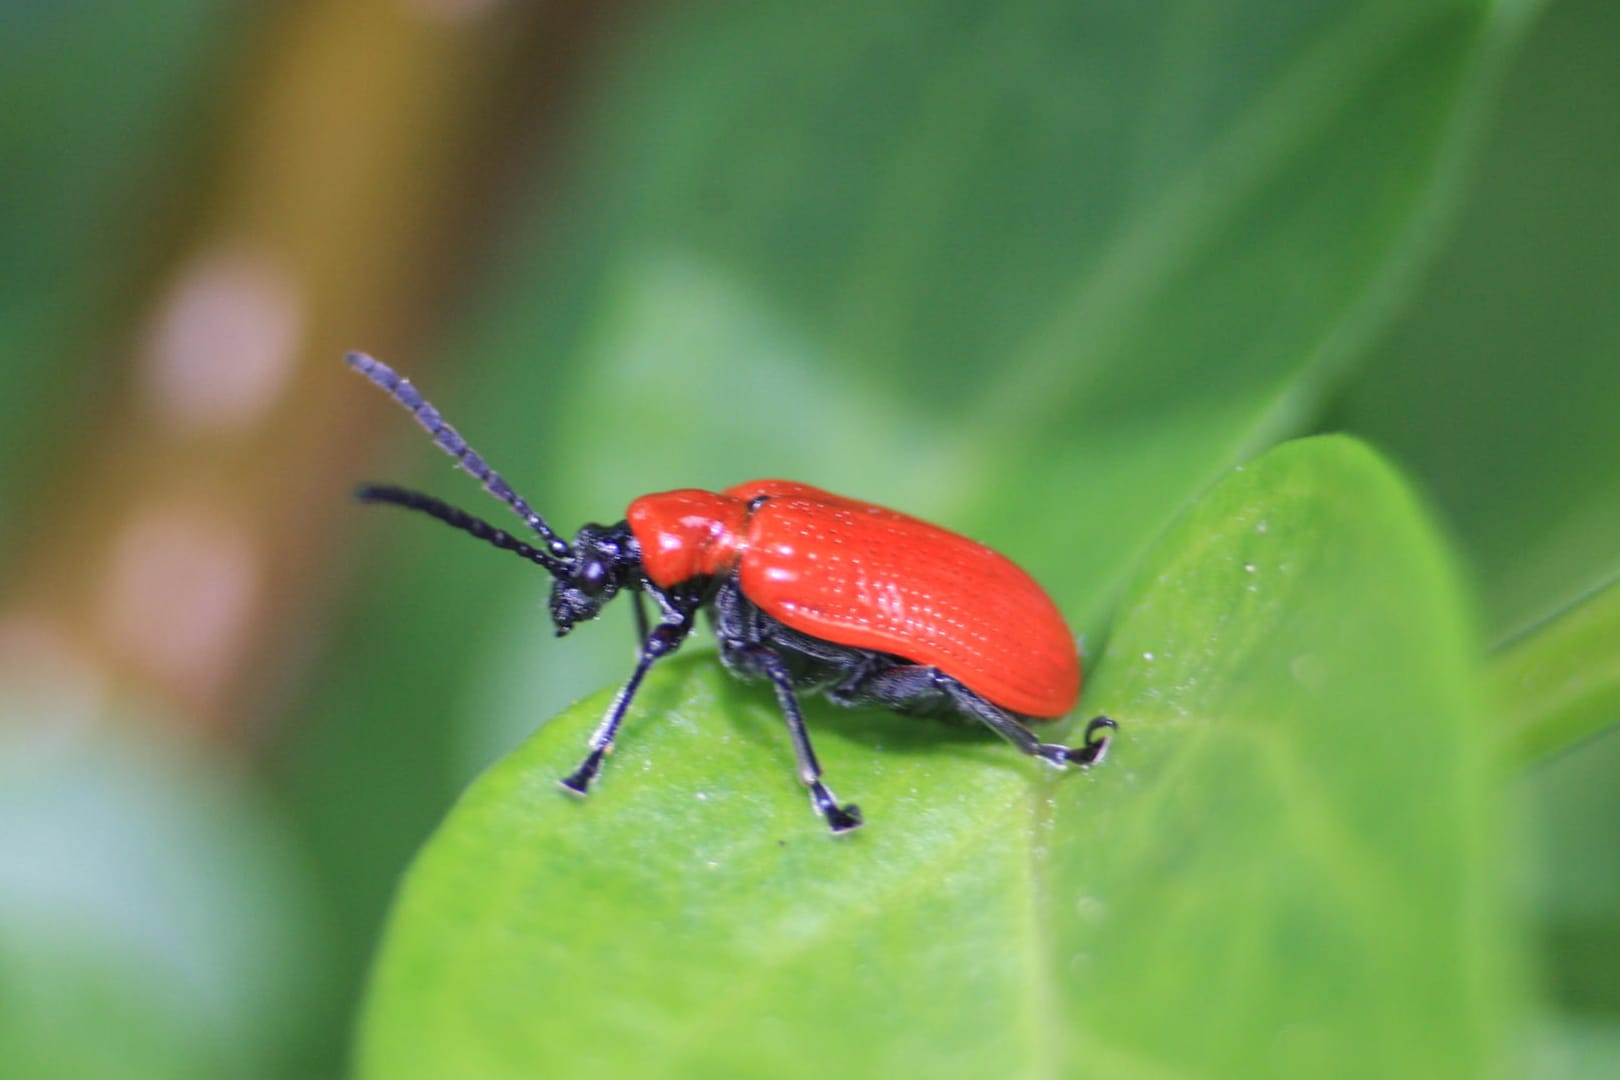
180, 557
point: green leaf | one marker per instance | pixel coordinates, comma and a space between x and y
1282, 867
1297, 874
1559, 684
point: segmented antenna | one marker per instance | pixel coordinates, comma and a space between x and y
450, 441
458, 519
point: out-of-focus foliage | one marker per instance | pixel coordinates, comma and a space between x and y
91, 92
1498, 387
1560, 684
1041, 271
1499, 384
155, 919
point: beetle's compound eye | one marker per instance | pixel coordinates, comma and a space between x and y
593, 576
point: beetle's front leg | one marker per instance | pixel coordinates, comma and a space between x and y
664, 639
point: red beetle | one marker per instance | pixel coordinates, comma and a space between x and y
808, 589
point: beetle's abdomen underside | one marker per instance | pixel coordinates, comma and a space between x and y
868, 577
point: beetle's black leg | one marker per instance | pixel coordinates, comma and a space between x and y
664, 639
1094, 747
907, 686
641, 616
840, 819
1000, 721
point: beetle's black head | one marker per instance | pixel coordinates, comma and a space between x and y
606, 558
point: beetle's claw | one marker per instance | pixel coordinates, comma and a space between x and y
840, 819
578, 782
1095, 746
843, 819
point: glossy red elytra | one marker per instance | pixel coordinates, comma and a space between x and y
807, 589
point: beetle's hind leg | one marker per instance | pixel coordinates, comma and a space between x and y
1093, 744
912, 686
751, 658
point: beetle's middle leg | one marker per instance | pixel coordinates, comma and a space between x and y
749, 658
922, 688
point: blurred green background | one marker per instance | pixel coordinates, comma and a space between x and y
1038, 270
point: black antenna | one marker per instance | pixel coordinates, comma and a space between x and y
457, 518
450, 441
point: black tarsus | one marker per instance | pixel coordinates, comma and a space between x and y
450, 441
457, 518
1093, 747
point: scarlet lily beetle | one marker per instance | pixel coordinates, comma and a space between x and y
807, 589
